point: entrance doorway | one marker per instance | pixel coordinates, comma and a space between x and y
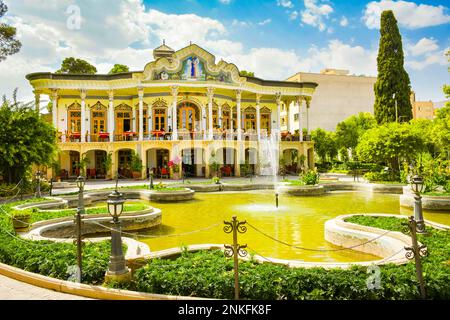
74, 170
125, 164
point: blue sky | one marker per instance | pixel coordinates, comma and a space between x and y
273, 38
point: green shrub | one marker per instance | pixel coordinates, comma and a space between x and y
310, 178
210, 274
49, 258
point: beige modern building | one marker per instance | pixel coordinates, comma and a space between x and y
422, 109
338, 96
183, 110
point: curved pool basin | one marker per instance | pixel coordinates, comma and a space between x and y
298, 221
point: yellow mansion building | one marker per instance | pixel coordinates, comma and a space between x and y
182, 108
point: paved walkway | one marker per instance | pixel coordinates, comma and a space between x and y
11, 289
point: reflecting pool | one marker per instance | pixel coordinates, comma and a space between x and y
298, 221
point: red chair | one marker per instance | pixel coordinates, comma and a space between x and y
164, 173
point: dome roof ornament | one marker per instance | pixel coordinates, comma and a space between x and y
163, 51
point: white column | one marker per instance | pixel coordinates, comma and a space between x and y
231, 119
308, 104
258, 116
300, 118
278, 100
83, 94
141, 113
133, 121
288, 113
220, 116
37, 100
238, 114
150, 118
210, 93
205, 136
111, 118
54, 97
174, 113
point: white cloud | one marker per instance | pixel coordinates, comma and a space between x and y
285, 3
424, 53
316, 14
267, 21
423, 46
240, 24
339, 55
343, 22
408, 14
431, 59
293, 15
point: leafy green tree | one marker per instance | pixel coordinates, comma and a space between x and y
392, 77
349, 131
76, 66
325, 144
25, 139
389, 144
119, 68
9, 45
244, 73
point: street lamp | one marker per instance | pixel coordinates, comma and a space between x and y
117, 270
37, 175
396, 110
151, 179
78, 216
417, 187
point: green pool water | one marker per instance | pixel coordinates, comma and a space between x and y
298, 221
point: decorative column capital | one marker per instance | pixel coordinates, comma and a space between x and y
54, 94
83, 93
174, 91
258, 98
308, 101
141, 92
238, 95
111, 95
278, 97
210, 93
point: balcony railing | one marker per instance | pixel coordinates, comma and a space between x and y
227, 135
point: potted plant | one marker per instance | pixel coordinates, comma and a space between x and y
174, 166
136, 165
107, 164
22, 220
216, 180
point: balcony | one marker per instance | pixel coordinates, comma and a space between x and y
227, 135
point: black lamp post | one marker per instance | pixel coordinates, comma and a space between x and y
78, 217
117, 269
151, 179
417, 187
38, 183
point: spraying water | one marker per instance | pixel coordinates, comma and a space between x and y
269, 158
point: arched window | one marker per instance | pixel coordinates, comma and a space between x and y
188, 117
98, 118
123, 118
74, 118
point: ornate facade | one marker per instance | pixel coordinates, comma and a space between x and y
182, 108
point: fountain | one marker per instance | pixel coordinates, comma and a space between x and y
269, 159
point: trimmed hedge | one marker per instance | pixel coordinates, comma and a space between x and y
49, 258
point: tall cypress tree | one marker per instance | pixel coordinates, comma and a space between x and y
392, 77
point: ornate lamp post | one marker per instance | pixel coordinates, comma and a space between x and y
151, 180
117, 270
417, 187
37, 175
78, 217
